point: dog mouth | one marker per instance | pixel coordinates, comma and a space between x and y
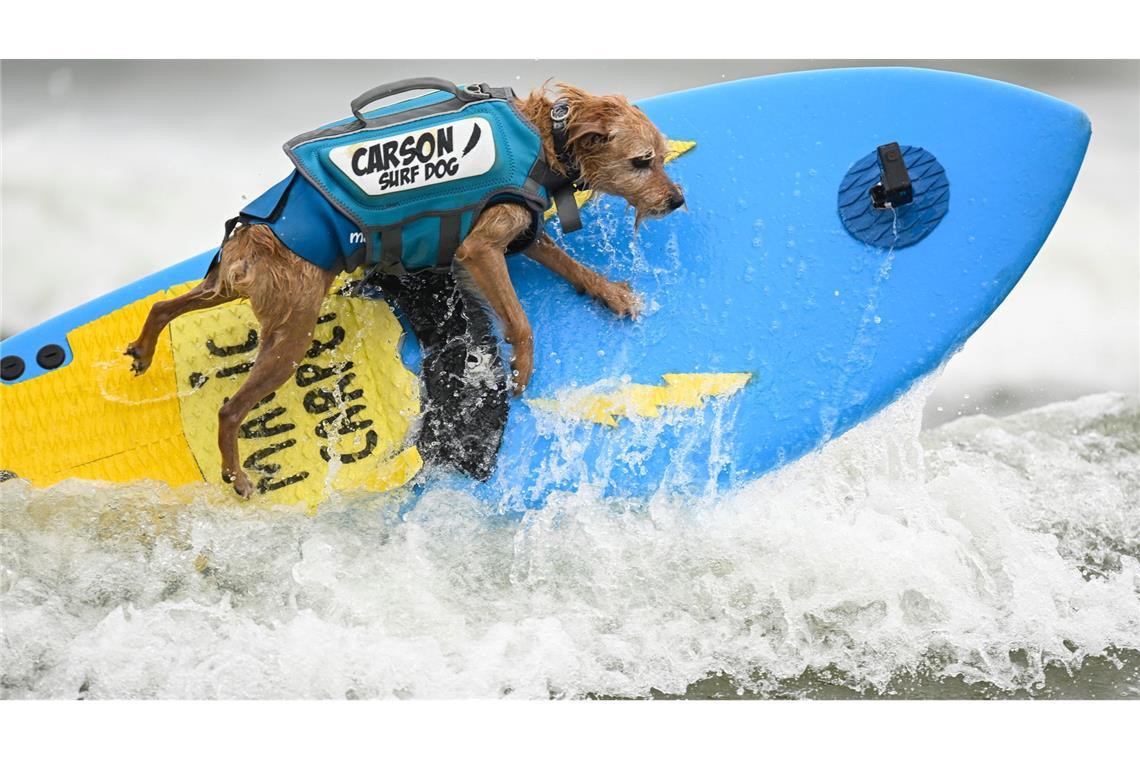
653, 213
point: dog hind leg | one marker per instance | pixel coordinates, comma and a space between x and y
285, 293
209, 292
249, 250
281, 349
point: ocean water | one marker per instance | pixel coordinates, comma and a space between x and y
984, 558
978, 539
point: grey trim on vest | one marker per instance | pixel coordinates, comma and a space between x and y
449, 225
534, 180
392, 249
356, 259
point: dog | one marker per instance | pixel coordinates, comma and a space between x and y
617, 151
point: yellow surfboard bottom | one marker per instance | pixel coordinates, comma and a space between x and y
340, 423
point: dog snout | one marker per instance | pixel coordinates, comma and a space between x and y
676, 199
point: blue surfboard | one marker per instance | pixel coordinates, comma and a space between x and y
783, 308
764, 277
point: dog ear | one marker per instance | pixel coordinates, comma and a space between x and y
590, 121
587, 132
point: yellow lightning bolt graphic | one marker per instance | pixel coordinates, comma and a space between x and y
675, 148
680, 391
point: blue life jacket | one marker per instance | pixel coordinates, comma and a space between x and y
400, 187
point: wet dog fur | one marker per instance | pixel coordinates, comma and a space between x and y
618, 151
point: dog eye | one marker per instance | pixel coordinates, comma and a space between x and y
642, 162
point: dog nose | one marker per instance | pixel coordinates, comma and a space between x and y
676, 200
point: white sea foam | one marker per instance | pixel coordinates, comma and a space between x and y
986, 550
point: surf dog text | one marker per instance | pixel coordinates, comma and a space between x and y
411, 160
400, 161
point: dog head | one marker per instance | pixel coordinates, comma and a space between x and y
620, 152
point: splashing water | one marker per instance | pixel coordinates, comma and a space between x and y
988, 556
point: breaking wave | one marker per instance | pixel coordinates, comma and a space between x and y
984, 557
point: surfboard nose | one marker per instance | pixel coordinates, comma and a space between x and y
1071, 127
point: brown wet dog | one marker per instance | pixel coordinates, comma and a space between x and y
618, 151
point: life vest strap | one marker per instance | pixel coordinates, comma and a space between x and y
392, 250
449, 227
567, 208
559, 118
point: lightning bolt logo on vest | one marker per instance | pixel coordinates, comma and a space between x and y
425, 157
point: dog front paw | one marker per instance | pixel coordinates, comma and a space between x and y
621, 299
522, 365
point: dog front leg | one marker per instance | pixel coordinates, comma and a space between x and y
618, 296
488, 268
483, 255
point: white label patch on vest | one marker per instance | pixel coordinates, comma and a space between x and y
408, 161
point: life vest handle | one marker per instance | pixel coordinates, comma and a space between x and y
404, 85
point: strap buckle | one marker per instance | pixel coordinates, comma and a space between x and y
478, 90
560, 112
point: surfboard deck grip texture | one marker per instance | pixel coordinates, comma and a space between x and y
896, 226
